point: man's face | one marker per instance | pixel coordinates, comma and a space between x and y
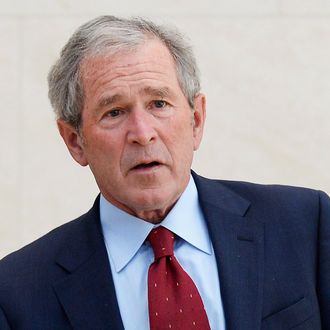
138, 132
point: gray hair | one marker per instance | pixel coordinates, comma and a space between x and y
110, 35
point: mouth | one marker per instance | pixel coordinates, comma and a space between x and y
146, 166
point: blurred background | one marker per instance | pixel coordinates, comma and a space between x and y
265, 68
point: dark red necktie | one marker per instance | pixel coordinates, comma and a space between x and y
174, 301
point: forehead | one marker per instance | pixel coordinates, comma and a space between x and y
150, 63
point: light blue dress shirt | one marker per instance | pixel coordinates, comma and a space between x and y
130, 257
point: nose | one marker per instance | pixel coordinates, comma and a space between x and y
141, 128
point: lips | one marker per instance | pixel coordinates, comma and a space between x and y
146, 165
145, 160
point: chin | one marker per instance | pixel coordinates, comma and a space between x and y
156, 199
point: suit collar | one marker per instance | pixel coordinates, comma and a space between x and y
238, 244
213, 193
87, 292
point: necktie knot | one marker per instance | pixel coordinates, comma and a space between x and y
162, 241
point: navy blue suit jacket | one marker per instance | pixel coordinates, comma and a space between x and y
272, 246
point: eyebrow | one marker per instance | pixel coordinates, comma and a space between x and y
106, 101
162, 92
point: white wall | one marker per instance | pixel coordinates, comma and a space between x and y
265, 69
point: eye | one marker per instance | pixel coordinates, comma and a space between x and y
159, 103
161, 108
114, 113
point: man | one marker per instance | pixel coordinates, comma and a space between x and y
128, 102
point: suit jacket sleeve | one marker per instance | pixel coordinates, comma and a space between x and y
3, 321
324, 260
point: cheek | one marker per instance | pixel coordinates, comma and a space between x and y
181, 140
182, 126
103, 149
185, 131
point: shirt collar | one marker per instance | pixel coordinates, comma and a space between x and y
124, 233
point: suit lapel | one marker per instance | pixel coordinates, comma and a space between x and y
238, 244
87, 292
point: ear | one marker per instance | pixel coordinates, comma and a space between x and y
73, 141
199, 119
